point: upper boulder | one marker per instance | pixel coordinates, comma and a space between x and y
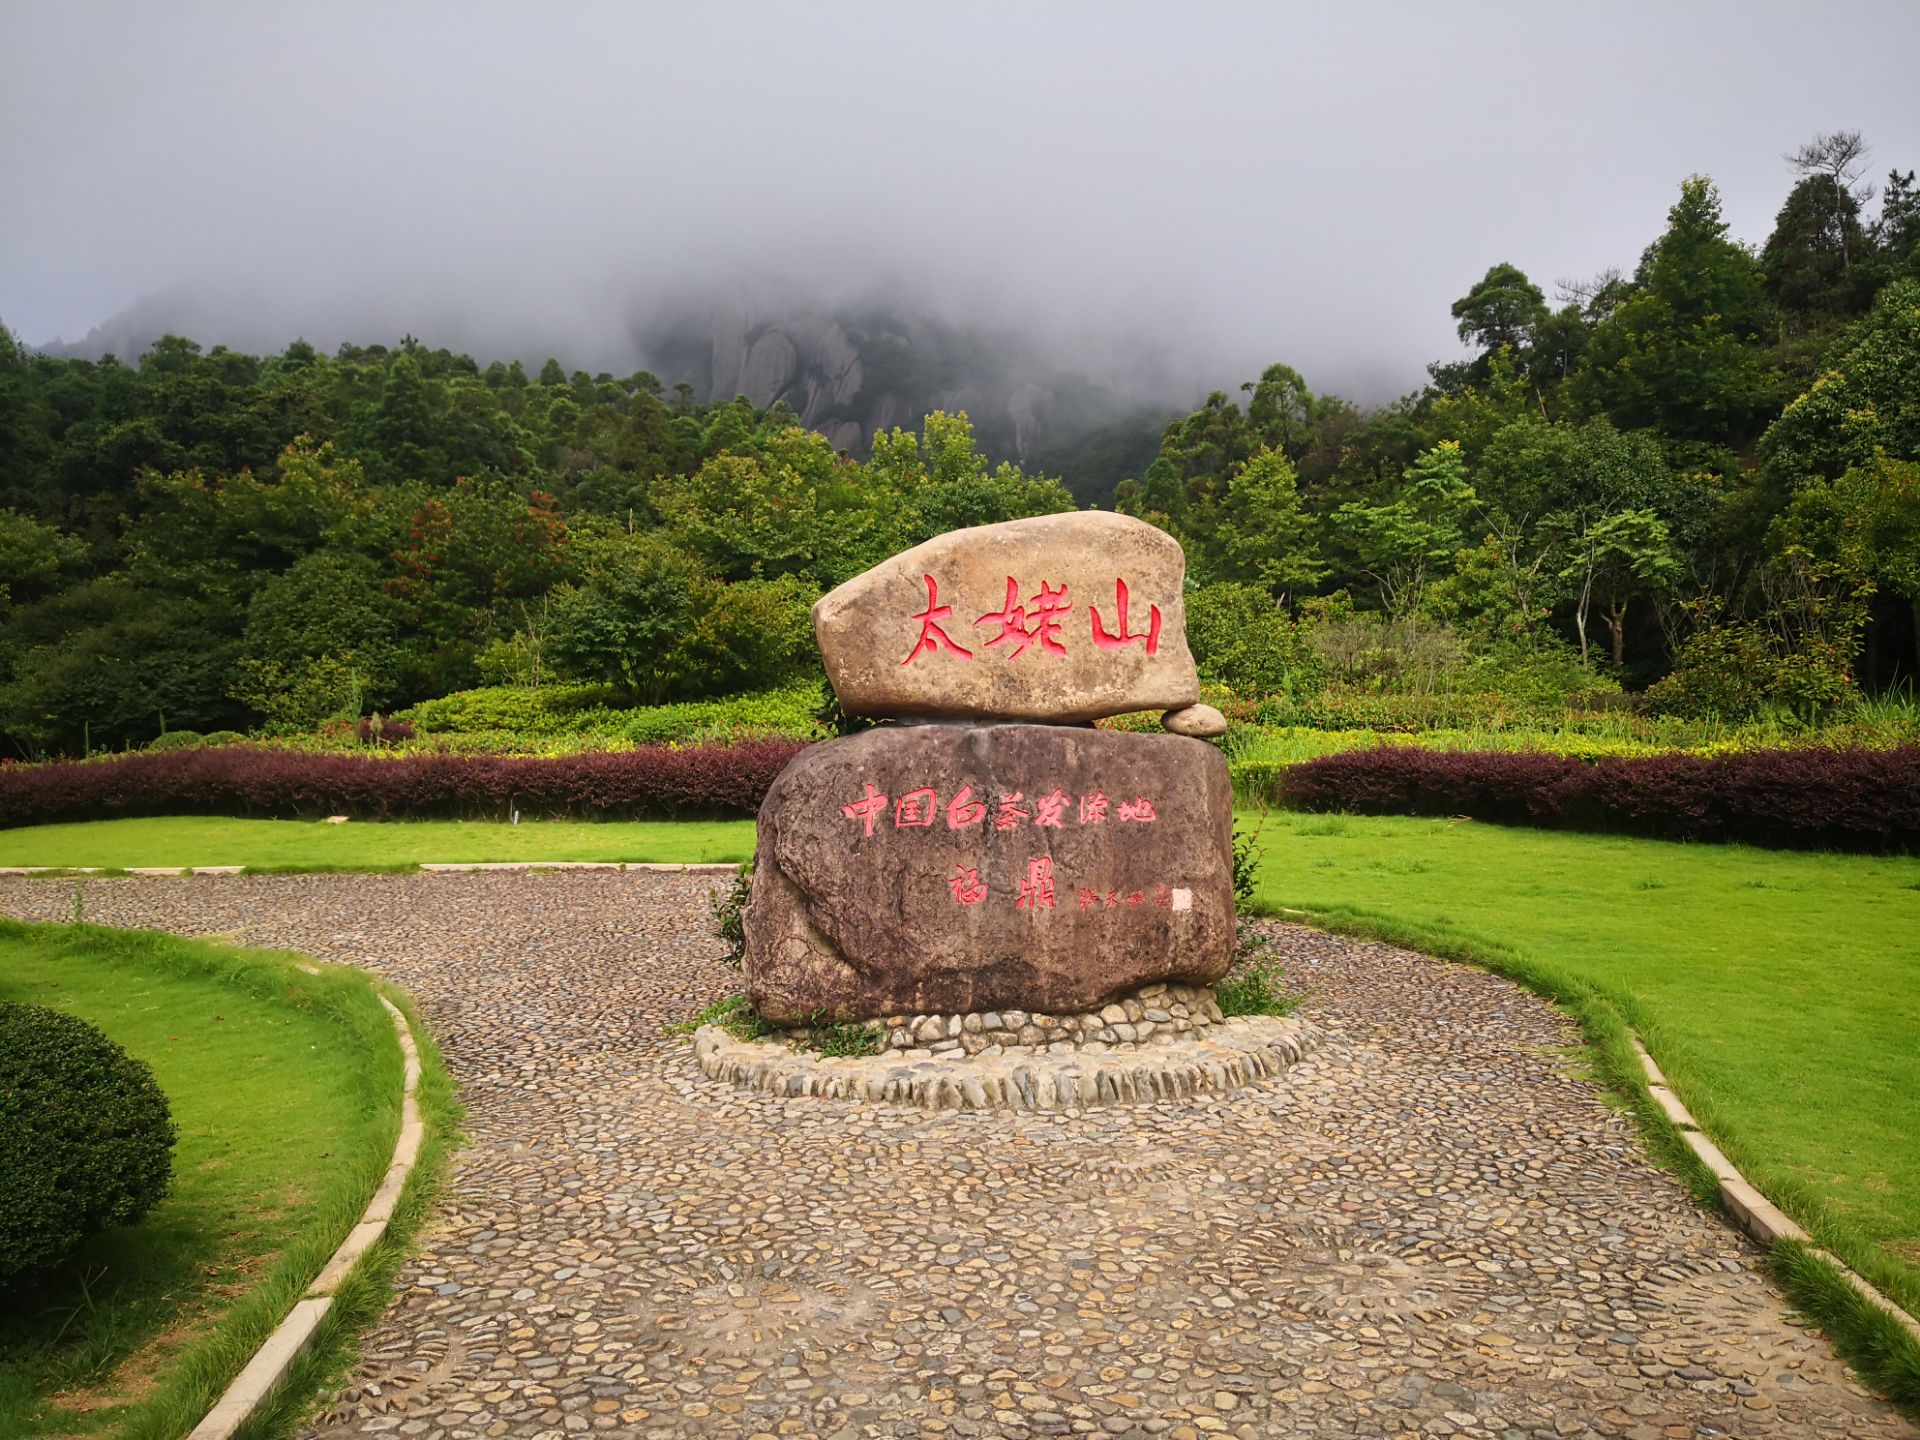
1060, 618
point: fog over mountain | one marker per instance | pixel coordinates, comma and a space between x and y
1031, 208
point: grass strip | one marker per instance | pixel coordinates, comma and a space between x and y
363, 846
362, 1298
286, 1088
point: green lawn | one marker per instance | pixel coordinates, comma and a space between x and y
359, 845
284, 1087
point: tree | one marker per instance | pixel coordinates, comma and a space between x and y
1505, 309
1403, 545
1680, 353
1242, 639
1839, 160
627, 623
1617, 555
1896, 234
1269, 535
326, 616
1809, 258
1865, 402
1861, 529
33, 556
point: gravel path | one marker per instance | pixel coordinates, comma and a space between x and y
1431, 1227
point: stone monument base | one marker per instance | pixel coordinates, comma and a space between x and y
1085, 1063
1154, 1013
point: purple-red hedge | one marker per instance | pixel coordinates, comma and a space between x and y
654, 780
1830, 799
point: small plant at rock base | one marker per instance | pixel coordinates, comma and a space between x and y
1257, 983
1246, 867
735, 1015
849, 1039
729, 911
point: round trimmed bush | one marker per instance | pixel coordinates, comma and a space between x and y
223, 737
177, 740
85, 1137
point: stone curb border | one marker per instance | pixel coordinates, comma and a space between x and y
263, 1374
1230, 1055
438, 868
1751, 1211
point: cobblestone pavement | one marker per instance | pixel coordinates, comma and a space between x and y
1430, 1227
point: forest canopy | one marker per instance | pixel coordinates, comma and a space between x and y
1705, 467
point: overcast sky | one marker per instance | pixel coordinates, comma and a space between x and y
1234, 183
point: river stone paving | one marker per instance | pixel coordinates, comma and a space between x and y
1431, 1226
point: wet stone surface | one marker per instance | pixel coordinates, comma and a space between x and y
1427, 1227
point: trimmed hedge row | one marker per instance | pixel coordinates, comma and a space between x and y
1831, 799
651, 781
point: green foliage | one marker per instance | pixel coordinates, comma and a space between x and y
1503, 312
1246, 865
847, 1039
555, 718
511, 709
1862, 404
85, 1137
1243, 639
178, 740
1257, 983
1679, 353
1406, 543
735, 1015
1739, 671
729, 908
1268, 533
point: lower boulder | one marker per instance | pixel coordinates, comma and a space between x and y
951, 868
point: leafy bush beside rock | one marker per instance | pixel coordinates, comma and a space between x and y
85, 1137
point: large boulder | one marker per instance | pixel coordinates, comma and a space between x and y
1062, 618
954, 867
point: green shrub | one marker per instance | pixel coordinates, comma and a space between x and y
1245, 641
85, 1137
1255, 986
177, 740
223, 737
572, 717
849, 1039
1740, 671
519, 709
735, 1015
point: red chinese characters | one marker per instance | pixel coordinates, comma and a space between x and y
1048, 809
963, 810
967, 886
1049, 605
915, 809
1150, 637
1036, 891
871, 804
932, 637
920, 809
1038, 622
